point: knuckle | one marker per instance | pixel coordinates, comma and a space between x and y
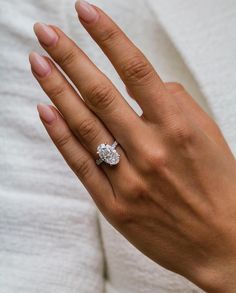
63, 140
137, 69
154, 160
129, 196
87, 130
56, 92
109, 36
82, 167
137, 192
100, 97
133, 191
174, 87
157, 162
182, 133
67, 58
121, 214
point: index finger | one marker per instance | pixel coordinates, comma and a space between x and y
135, 70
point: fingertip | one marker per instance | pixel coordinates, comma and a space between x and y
39, 64
86, 12
31, 55
46, 113
77, 5
45, 34
35, 26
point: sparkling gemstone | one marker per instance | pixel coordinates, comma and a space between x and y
108, 154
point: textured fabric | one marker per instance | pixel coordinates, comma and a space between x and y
49, 233
52, 238
203, 32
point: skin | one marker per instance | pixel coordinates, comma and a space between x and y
173, 194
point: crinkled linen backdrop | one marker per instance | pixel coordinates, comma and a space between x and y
52, 238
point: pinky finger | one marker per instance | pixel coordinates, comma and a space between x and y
76, 156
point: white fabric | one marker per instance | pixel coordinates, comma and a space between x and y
203, 32
52, 239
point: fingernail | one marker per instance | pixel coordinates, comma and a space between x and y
46, 113
39, 64
45, 34
86, 11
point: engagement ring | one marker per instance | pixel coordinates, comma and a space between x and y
108, 154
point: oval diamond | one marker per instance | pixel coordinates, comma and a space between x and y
108, 154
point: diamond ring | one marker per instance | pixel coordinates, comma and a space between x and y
108, 154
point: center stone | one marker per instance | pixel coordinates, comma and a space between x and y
108, 154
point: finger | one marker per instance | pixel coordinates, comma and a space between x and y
133, 67
97, 90
83, 123
79, 160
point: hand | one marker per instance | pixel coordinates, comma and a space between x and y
173, 194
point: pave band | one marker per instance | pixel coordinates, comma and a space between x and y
108, 154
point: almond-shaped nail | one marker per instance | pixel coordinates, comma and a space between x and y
45, 34
86, 11
39, 64
46, 113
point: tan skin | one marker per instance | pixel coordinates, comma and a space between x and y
173, 194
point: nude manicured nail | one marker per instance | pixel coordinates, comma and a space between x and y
39, 64
86, 11
46, 113
45, 34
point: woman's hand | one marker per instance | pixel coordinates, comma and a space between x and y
173, 194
